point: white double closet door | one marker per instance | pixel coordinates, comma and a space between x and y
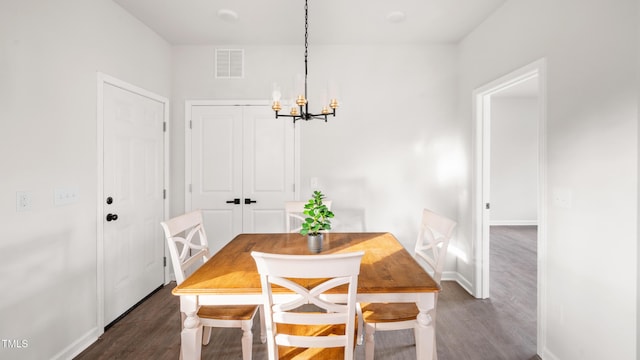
239, 169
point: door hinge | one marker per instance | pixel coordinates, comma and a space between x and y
164, 194
164, 126
190, 188
164, 261
190, 124
487, 206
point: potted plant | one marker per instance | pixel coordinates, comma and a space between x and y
316, 220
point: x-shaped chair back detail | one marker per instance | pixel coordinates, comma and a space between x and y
313, 329
188, 231
433, 241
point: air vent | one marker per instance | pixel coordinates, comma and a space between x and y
229, 63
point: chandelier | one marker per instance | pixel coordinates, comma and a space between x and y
301, 112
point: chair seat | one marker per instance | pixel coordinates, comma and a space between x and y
290, 353
388, 312
227, 312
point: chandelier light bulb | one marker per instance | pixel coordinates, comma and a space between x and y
276, 94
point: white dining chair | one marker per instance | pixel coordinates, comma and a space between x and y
187, 231
430, 251
295, 332
294, 216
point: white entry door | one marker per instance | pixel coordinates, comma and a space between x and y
241, 161
133, 204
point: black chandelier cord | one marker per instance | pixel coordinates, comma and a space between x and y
306, 49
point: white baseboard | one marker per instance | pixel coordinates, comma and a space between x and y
513, 222
79, 345
547, 355
170, 278
461, 280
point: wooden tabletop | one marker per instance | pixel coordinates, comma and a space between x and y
386, 266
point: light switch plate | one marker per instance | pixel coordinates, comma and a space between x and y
65, 196
24, 201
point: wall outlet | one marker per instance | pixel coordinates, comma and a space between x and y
313, 183
24, 201
562, 198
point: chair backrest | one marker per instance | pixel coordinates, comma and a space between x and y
328, 272
294, 216
187, 232
433, 241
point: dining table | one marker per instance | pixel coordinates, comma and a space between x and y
388, 273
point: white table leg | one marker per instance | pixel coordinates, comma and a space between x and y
191, 336
425, 328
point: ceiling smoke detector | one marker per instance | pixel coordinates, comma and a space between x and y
228, 15
396, 17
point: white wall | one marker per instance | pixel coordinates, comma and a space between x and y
590, 266
514, 160
394, 147
49, 55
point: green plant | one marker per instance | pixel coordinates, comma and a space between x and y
318, 215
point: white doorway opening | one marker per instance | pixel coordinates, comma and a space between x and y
532, 74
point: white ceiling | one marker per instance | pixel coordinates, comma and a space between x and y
330, 21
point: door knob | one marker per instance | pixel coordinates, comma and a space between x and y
112, 217
248, 201
234, 201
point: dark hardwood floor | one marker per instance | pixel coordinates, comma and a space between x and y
500, 328
503, 326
